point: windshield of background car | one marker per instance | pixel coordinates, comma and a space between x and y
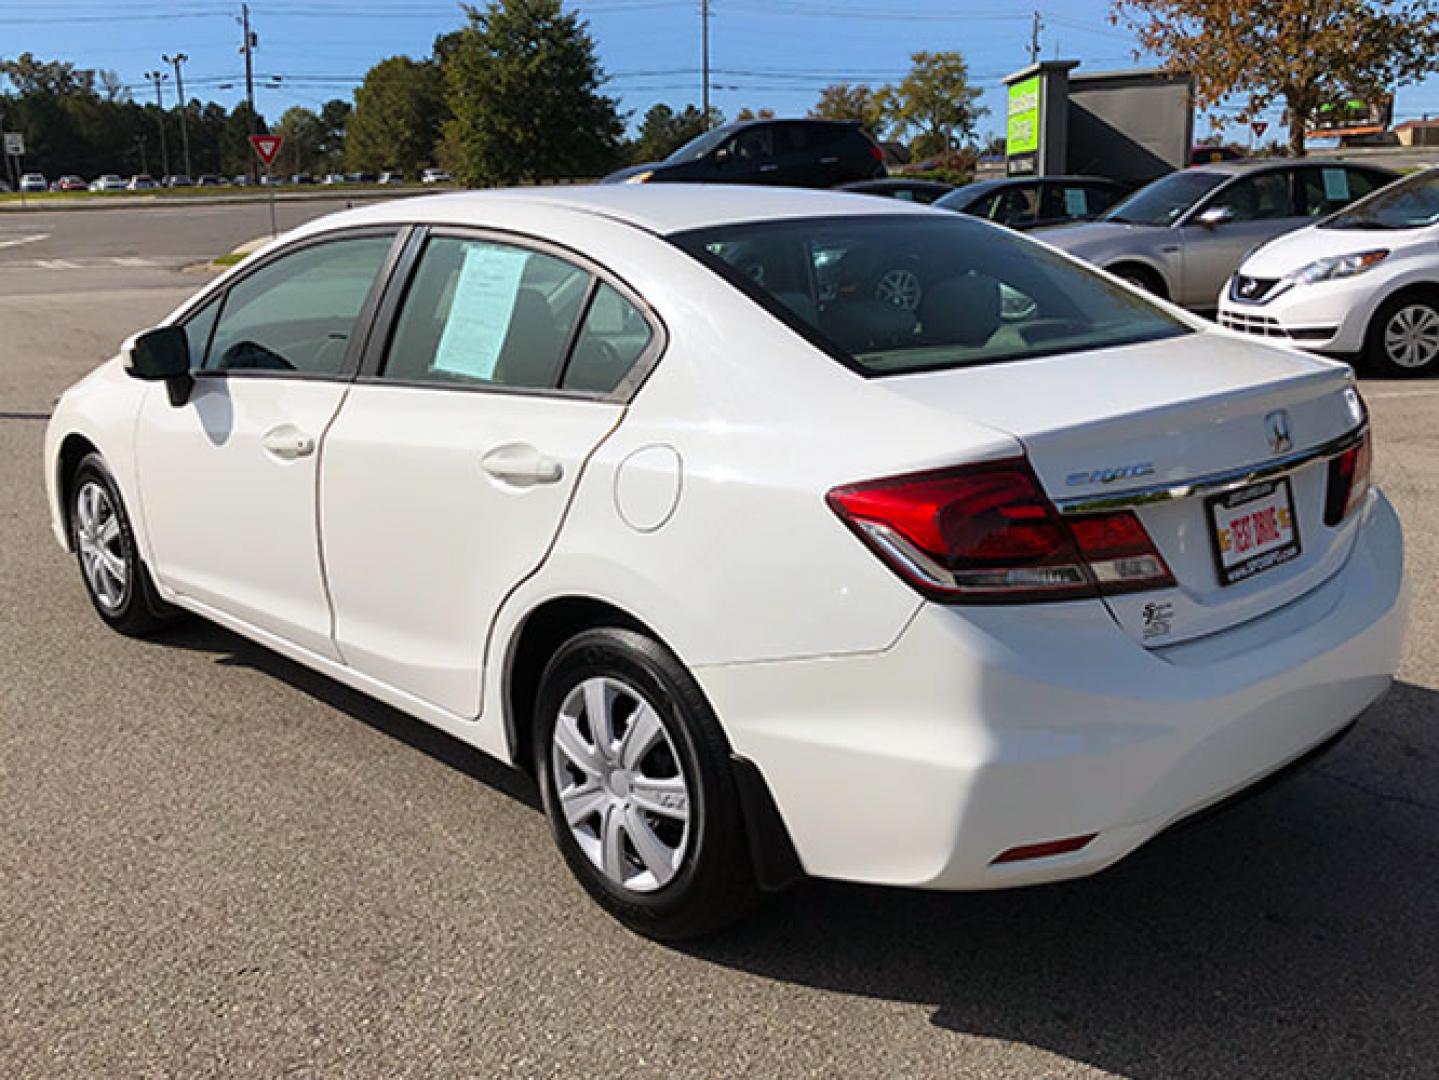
1408, 204
898, 294
698, 147
1167, 199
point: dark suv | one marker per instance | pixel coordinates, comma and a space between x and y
793, 153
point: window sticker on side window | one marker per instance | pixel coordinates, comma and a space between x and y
1074, 202
1336, 185
481, 310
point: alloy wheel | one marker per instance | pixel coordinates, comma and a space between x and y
1411, 337
102, 553
899, 287
619, 784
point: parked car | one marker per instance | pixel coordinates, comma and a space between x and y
1212, 155
33, 183
69, 183
1030, 203
242, 180
361, 177
1363, 283
794, 153
142, 182
210, 180
302, 178
436, 176
5, 187
392, 178
108, 182
178, 181
1093, 565
902, 188
335, 178
1184, 235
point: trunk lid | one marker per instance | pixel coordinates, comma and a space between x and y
1166, 415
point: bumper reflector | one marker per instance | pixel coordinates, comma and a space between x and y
1042, 850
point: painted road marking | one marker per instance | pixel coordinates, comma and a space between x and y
115, 262
24, 240
1401, 394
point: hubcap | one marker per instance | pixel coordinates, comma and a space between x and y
899, 287
1411, 339
102, 555
620, 786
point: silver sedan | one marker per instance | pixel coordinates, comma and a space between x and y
1184, 235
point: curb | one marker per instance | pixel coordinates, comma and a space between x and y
153, 202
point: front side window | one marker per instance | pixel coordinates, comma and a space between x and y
479, 313
1265, 197
296, 314
898, 295
754, 143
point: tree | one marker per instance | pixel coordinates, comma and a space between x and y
334, 121
398, 111
663, 131
303, 134
750, 114
1304, 53
845, 101
936, 100
522, 82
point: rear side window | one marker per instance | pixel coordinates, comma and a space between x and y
297, 313
895, 295
478, 313
614, 335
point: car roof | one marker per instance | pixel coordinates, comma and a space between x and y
657, 208
1245, 165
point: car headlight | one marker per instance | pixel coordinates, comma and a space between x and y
640, 177
1336, 266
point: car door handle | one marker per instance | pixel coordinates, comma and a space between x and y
288, 442
829, 161
522, 465
769, 168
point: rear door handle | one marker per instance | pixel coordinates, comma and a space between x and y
288, 442
829, 161
769, 168
522, 465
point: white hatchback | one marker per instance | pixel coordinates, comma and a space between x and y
762, 569
1362, 283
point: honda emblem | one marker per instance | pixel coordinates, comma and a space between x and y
1276, 426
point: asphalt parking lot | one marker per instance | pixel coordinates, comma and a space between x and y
213, 862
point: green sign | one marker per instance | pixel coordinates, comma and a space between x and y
1022, 136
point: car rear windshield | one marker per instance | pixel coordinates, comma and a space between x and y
1165, 201
1409, 204
898, 294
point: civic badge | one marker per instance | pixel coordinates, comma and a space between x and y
1276, 426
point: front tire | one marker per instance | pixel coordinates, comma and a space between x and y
1403, 338
115, 577
638, 789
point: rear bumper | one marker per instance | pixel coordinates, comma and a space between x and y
984, 729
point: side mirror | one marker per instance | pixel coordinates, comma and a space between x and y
1216, 216
162, 355
722, 155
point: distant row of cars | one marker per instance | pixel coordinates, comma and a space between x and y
36, 183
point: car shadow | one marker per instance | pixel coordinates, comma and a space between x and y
1293, 935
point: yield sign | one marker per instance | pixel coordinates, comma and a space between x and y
267, 147
1260, 127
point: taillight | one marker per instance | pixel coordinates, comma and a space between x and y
987, 534
876, 153
1348, 481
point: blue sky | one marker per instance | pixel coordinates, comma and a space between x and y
764, 53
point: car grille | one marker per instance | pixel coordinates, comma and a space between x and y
1251, 290
1264, 326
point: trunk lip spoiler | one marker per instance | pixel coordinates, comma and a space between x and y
1214, 483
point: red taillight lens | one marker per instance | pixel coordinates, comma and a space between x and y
1348, 481
987, 533
876, 153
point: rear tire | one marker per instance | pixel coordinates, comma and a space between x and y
1403, 337
115, 577
638, 787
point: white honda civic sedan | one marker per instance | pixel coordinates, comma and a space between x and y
662, 494
1362, 283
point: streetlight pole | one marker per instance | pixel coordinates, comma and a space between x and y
158, 77
705, 60
176, 61
248, 49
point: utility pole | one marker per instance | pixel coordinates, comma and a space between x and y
251, 40
1034, 27
705, 51
158, 77
177, 60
